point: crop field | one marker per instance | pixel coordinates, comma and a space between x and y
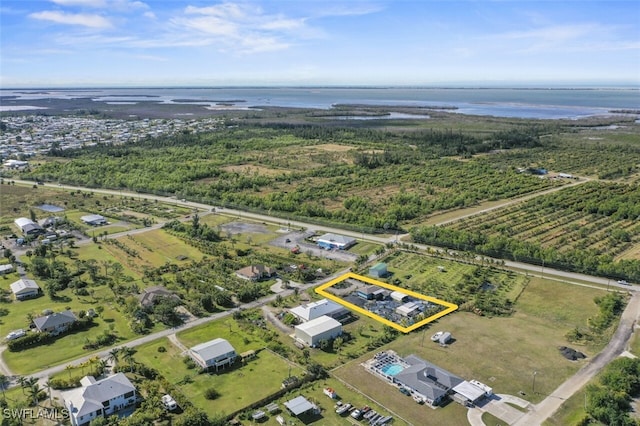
589, 228
588, 217
502, 352
454, 280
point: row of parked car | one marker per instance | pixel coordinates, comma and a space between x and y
365, 413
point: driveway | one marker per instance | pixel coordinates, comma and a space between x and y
616, 347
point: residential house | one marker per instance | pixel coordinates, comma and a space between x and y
25, 289
55, 323
149, 294
6, 269
215, 353
255, 272
426, 381
99, 398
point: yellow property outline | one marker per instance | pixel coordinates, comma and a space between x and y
450, 307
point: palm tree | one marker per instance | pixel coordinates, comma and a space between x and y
48, 386
34, 390
23, 383
4, 381
69, 367
127, 355
114, 355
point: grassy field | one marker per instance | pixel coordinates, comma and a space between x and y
491, 420
69, 346
237, 386
571, 412
502, 352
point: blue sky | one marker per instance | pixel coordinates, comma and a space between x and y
311, 42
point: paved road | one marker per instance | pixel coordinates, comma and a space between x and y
43, 374
540, 412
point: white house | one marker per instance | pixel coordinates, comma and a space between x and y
24, 289
215, 353
312, 332
6, 269
311, 311
94, 220
334, 241
98, 398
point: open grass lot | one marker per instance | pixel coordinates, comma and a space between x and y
155, 248
364, 247
238, 387
501, 351
635, 343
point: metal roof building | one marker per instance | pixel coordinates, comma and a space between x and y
215, 353
311, 311
322, 328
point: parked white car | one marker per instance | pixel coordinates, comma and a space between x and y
16, 334
169, 403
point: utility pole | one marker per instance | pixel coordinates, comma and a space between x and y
533, 385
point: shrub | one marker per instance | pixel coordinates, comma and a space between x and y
162, 349
211, 393
190, 363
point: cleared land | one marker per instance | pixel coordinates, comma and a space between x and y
500, 351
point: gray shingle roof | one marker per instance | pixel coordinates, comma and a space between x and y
426, 378
88, 399
55, 320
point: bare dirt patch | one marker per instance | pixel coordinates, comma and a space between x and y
330, 147
244, 228
253, 169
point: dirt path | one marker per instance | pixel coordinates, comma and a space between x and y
615, 348
174, 339
275, 321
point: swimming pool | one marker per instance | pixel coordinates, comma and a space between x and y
392, 369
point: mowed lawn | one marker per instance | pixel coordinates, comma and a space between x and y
157, 247
238, 387
66, 347
501, 352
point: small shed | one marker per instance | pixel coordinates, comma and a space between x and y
299, 405
379, 270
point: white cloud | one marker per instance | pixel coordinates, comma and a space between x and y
86, 3
82, 19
